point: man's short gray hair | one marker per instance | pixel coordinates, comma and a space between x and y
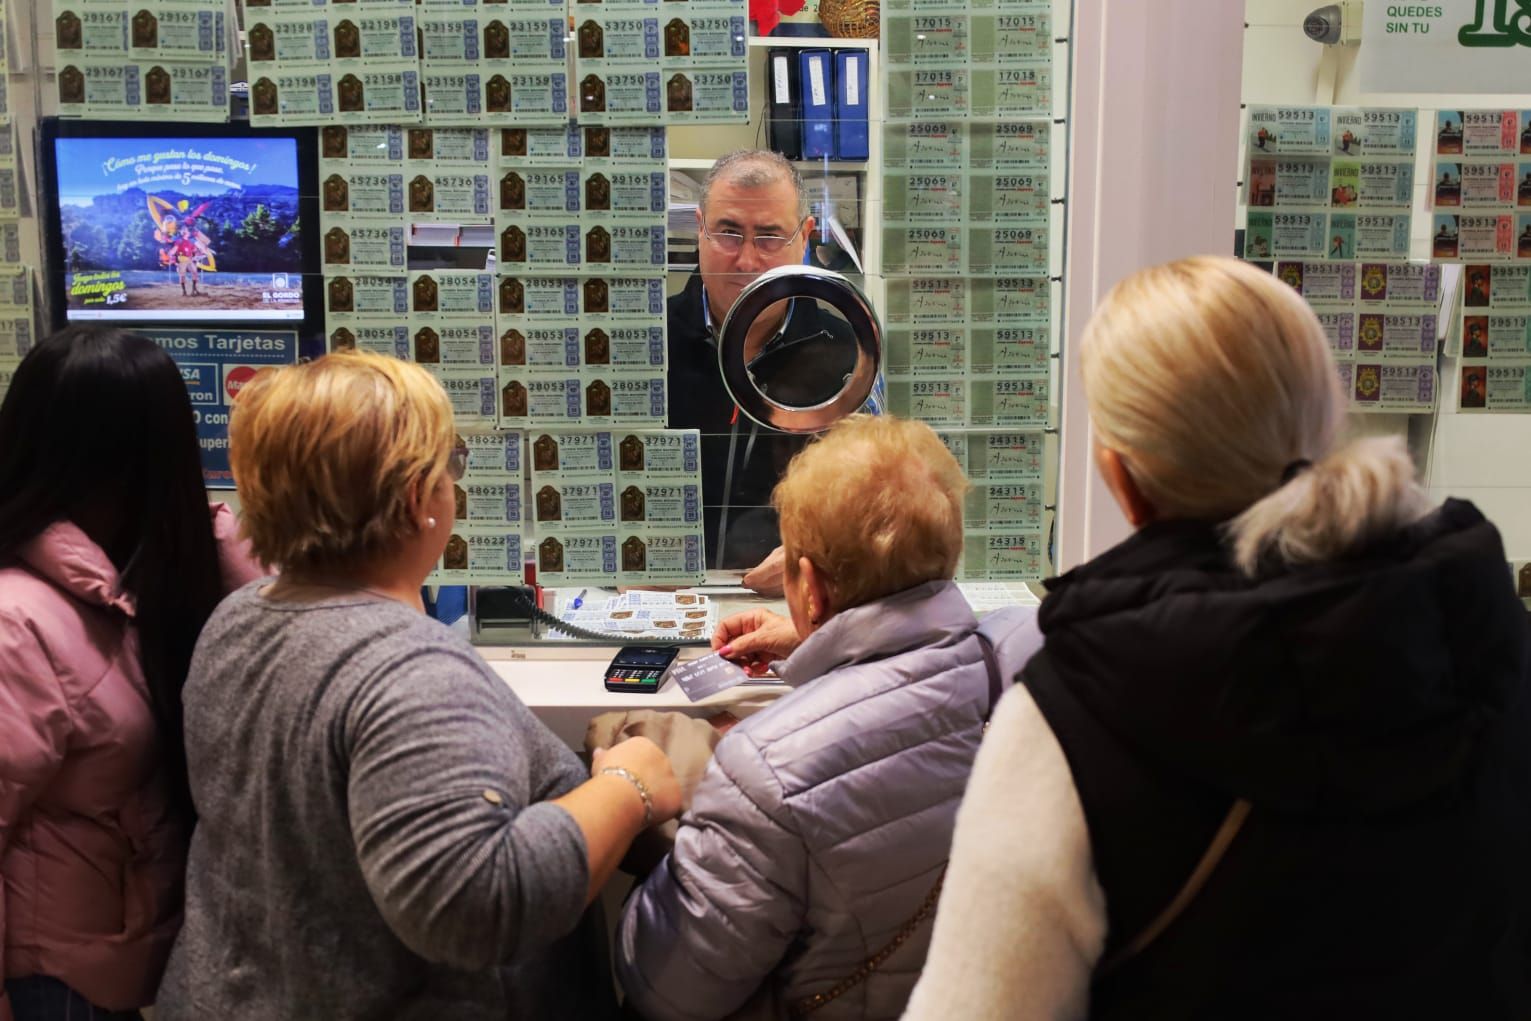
756, 168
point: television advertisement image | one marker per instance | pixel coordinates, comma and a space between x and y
180, 229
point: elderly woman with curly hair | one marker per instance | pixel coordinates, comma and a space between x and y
817, 838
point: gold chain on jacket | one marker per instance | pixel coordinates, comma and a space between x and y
806, 1006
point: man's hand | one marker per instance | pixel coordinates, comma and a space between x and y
755, 639
768, 577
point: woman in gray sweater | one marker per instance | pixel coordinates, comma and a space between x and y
385, 830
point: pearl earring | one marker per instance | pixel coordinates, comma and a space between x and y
430, 522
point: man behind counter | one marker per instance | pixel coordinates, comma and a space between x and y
753, 217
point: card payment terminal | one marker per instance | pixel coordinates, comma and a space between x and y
640, 668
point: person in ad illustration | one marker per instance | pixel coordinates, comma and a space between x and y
187, 249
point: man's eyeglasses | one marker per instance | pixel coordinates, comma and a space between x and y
457, 463
731, 242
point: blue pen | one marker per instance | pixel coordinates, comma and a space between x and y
579, 600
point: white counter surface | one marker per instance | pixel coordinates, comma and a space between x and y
564, 683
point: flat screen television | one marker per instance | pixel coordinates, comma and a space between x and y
169, 224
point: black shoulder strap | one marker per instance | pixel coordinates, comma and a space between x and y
996, 682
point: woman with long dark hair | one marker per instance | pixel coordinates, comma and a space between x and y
110, 563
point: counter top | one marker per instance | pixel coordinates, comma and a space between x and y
563, 682
565, 687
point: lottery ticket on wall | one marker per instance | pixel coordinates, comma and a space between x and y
10, 242
354, 147
936, 350
564, 557
614, 397
1329, 182
1495, 288
161, 61
1481, 186
1004, 506
967, 143
634, 63
1485, 237
434, 147
346, 333
1021, 90
548, 145
661, 557
1007, 300
361, 245
295, 96
999, 456
936, 38
1010, 402
997, 556
574, 505
366, 296
466, 344
964, 196
471, 390
936, 402
581, 146
669, 454
660, 503
641, 489
1382, 323
1384, 387
527, 399
572, 454
629, 147
17, 317
476, 556
1494, 388
1495, 338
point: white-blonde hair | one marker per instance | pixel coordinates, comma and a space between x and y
1213, 382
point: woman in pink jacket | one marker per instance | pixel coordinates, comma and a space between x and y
109, 565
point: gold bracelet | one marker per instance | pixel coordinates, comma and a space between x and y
643, 792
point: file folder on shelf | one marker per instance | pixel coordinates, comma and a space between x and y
817, 88
851, 136
785, 108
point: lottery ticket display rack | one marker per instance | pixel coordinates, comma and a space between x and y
1109, 249
1430, 313
1011, 438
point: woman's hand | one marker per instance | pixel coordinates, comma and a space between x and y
755, 639
644, 759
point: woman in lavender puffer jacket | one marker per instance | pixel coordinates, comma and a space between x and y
110, 563
823, 823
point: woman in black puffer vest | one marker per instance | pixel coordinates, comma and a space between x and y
1274, 759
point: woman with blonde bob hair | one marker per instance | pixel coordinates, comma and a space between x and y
1271, 760
816, 839
385, 830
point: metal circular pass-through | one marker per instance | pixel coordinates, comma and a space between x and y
818, 364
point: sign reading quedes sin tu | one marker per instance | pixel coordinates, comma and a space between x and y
1446, 46
216, 365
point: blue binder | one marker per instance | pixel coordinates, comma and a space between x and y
817, 87
851, 135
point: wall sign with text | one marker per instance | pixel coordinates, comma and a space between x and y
215, 364
1447, 46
